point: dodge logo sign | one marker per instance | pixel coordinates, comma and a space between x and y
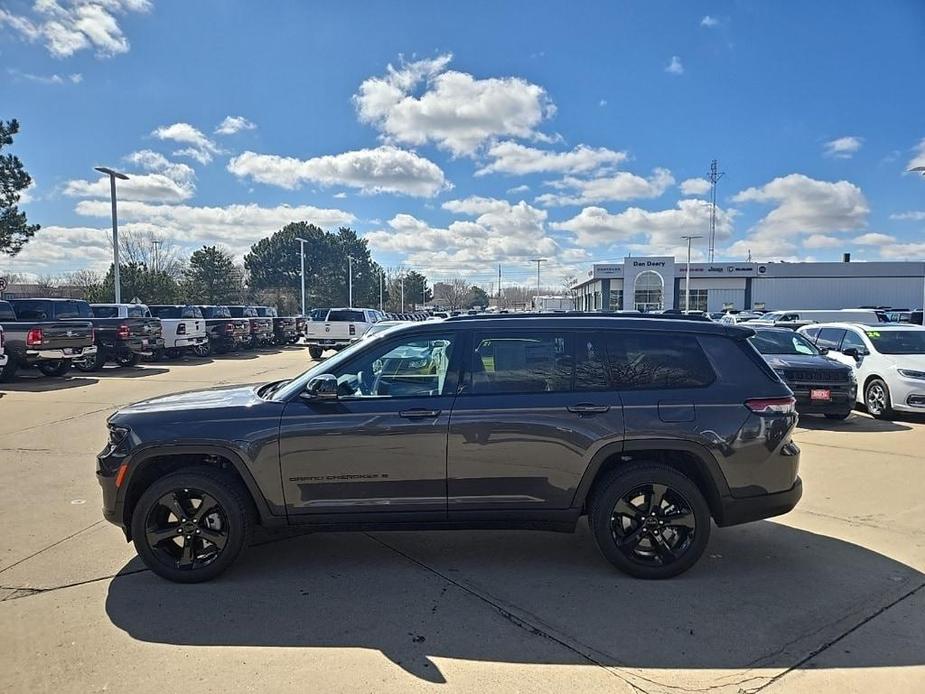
2, 283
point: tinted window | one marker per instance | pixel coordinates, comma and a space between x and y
830, 337
191, 312
591, 362
811, 333
138, 311
38, 309
510, 363
215, 311
236, 311
657, 360
105, 311
318, 314
6, 311
414, 367
898, 341
345, 316
852, 339
166, 311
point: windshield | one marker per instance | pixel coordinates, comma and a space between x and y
898, 341
780, 342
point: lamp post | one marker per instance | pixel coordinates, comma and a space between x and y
687, 282
350, 260
302, 243
538, 262
113, 175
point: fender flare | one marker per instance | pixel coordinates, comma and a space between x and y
706, 464
141, 456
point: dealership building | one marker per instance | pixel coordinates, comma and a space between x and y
655, 283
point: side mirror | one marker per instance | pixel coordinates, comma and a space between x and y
823, 350
852, 352
323, 387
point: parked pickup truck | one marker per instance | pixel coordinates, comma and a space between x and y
183, 329
340, 328
261, 328
50, 346
122, 340
285, 330
226, 334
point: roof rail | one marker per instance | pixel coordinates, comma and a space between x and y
579, 314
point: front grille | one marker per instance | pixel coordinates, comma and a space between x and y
816, 376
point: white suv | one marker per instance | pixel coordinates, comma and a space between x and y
888, 360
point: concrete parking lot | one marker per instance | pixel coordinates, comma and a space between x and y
830, 597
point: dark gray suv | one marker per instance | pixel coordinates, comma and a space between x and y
649, 426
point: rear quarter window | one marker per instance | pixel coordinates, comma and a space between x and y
644, 361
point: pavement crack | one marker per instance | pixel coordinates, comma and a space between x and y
859, 450
53, 544
29, 592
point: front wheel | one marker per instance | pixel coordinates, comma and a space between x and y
89, 364
54, 368
877, 399
650, 521
191, 525
128, 359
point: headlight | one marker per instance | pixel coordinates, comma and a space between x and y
909, 373
116, 435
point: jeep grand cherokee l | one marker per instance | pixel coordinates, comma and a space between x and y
648, 426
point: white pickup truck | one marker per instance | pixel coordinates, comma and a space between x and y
182, 327
340, 328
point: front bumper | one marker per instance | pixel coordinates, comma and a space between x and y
842, 399
735, 511
64, 353
908, 394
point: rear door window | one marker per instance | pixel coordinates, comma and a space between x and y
514, 363
811, 334
643, 361
830, 338
852, 339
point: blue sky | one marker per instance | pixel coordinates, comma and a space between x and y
457, 136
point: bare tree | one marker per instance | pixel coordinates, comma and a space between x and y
83, 281
452, 294
154, 251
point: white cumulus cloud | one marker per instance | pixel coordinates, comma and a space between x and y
200, 148
234, 124
709, 22
69, 26
843, 147
918, 155
385, 169
915, 216
165, 181
425, 102
873, 239
695, 186
517, 159
619, 186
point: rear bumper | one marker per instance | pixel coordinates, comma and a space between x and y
190, 341
737, 511
321, 342
65, 353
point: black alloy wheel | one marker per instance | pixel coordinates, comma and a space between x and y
650, 520
203, 349
128, 359
190, 525
55, 367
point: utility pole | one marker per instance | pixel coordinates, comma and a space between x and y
302, 243
113, 175
538, 261
350, 281
402, 292
499, 284
687, 282
156, 243
714, 176
381, 282
423, 291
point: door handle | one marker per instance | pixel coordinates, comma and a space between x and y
588, 408
418, 413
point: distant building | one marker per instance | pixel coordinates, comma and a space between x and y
656, 283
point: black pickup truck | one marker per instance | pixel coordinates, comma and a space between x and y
226, 334
49, 346
261, 329
122, 340
285, 330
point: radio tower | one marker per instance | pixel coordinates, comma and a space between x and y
714, 176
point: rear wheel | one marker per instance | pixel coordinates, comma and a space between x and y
315, 352
877, 399
650, 521
191, 525
94, 363
8, 371
203, 350
55, 368
128, 358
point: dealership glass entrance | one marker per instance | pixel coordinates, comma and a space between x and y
648, 291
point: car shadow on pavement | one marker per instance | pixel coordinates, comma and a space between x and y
763, 596
856, 422
45, 384
235, 355
130, 371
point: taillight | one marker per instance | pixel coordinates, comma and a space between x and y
353, 329
34, 337
92, 336
123, 333
181, 329
772, 405
229, 328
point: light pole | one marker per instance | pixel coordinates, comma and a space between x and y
350, 260
381, 282
403, 292
687, 282
157, 244
538, 261
113, 175
302, 243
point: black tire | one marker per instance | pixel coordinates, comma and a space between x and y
97, 362
8, 372
877, 399
55, 368
173, 352
128, 360
838, 416
315, 352
202, 350
656, 545
194, 557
